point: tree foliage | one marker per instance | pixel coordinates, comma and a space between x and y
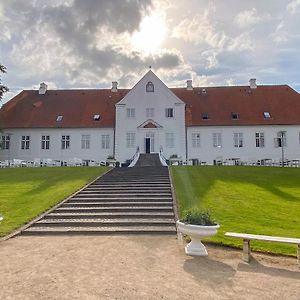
3, 88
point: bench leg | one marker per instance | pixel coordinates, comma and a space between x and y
246, 250
298, 254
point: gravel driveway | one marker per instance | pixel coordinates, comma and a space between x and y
138, 267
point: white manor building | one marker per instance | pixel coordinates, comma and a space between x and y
195, 123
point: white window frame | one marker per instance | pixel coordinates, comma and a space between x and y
238, 140
65, 142
196, 139
5, 142
217, 139
259, 139
105, 141
169, 112
150, 112
25, 142
130, 139
85, 141
45, 142
130, 112
170, 140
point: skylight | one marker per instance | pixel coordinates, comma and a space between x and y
267, 115
96, 117
205, 116
59, 118
235, 116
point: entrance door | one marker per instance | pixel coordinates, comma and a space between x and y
147, 145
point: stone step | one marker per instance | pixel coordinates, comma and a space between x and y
100, 230
109, 215
120, 200
126, 188
136, 195
148, 209
117, 204
117, 191
103, 222
138, 185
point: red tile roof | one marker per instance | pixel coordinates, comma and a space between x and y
78, 107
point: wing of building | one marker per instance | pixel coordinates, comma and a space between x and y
206, 124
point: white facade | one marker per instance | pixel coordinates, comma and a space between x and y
152, 118
247, 150
94, 150
141, 107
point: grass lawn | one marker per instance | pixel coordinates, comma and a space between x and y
27, 192
258, 200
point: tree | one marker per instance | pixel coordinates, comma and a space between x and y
3, 88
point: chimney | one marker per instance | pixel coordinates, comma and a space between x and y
189, 85
252, 83
43, 88
114, 87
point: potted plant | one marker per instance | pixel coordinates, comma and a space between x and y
197, 224
111, 161
174, 159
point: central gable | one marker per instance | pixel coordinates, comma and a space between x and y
150, 89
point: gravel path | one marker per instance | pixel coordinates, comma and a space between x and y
137, 267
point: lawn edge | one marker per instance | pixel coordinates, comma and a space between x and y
25, 226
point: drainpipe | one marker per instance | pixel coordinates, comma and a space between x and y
186, 145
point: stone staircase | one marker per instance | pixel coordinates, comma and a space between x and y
134, 200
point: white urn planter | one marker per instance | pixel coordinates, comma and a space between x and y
196, 233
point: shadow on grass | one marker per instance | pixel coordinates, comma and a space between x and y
256, 267
213, 272
266, 178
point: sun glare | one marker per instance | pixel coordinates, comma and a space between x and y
151, 34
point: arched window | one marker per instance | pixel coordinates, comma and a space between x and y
150, 87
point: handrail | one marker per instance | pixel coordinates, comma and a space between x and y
162, 158
135, 158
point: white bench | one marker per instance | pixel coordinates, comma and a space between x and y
276, 239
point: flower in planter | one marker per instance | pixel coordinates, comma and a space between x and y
198, 217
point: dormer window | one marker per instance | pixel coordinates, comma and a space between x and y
59, 118
96, 117
267, 115
205, 116
235, 116
150, 87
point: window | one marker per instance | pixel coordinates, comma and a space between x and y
217, 139
235, 116
196, 140
25, 142
169, 113
150, 87
96, 117
267, 115
238, 139
105, 143
59, 118
85, 141
130, 139
65, 142
205, 116
281, 139
45, 144
5, 141
259, 139
130, 112
170, 140
149, 112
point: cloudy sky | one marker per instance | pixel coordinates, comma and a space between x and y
89, 43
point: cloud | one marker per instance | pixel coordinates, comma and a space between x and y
85, 42
200, 29
293, 6
248, 18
